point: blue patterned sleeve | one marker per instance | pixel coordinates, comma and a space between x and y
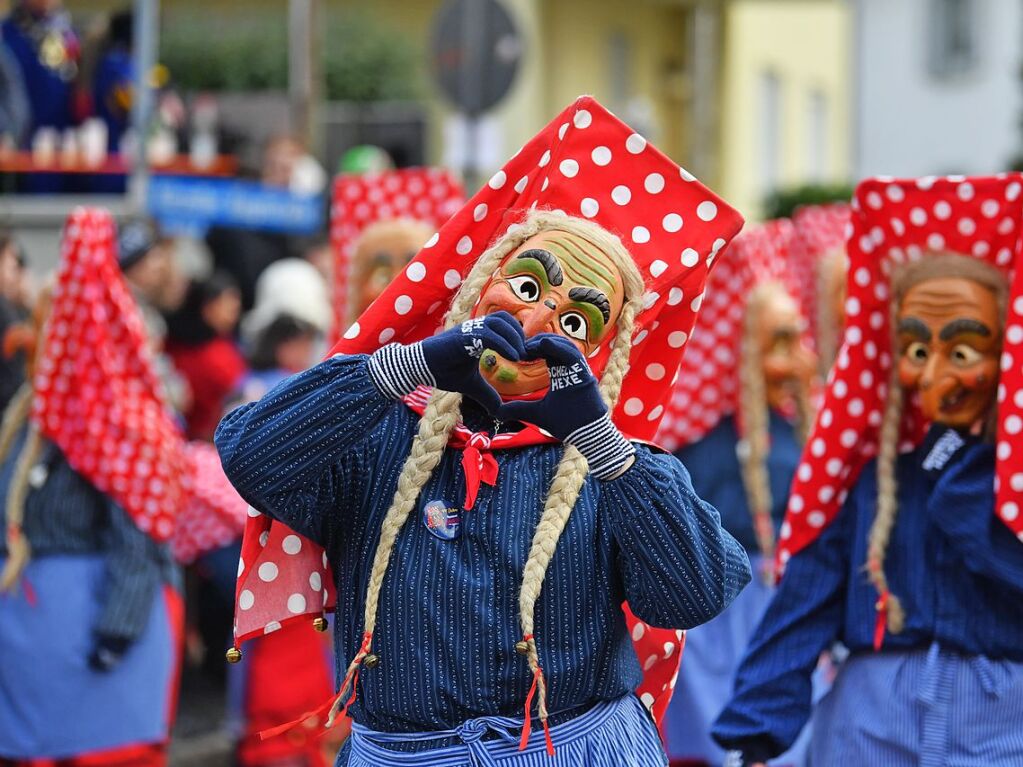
773, 694
285, 452
962, 506
680, 566
133, 577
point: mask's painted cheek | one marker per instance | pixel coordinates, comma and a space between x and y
909, 374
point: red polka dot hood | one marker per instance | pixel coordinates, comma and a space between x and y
893, 221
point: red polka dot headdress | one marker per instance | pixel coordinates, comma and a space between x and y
892, 221
708, 386
97, 396
430, 195
586, 163
819, 230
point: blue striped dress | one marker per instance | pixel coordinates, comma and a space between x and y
322, 451
947, 689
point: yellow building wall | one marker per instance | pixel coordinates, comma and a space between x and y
806, 45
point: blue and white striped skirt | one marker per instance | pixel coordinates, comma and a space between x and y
921, 708
616, 733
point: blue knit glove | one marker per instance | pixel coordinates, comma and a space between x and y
573, 410
450, 360
107, 652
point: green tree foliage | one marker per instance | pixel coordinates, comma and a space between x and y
782, 203
362, 59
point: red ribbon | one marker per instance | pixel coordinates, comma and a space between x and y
881, 621
479, 465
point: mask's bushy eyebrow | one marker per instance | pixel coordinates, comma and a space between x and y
955, 327
915, 327
592, 296
550, 264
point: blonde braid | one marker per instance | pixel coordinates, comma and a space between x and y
754, 443
15, 416
887, 493
19, 552
568, 482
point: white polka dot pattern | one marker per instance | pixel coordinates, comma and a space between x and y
707, 389
424, 194
596, 167
215, 514
660, 653
979, 216
97, 394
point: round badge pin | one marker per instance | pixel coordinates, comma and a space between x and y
442, 520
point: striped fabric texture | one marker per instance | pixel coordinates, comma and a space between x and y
65, 514
609, 735
956, 568
604, 447
322, 451
398, 370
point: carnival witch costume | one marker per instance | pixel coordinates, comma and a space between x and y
903, 533
440, 554
736, 421
91, 474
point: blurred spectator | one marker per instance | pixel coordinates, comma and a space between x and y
318, 251
12, 313
148, 263
245, 253
201, 344
293, 287
38, 35
112, 81
14, 108
286, 346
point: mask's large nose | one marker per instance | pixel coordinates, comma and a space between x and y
538, 319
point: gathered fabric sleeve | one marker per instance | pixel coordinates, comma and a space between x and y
134, 574
285, 453
772, 697
962, 506
680, 566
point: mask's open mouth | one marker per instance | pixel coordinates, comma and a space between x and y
954, 401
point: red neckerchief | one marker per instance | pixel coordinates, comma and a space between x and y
478, 461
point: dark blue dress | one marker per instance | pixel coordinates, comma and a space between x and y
959, 574
322, 451
713, 651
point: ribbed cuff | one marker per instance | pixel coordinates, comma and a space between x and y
397, 370
603, 447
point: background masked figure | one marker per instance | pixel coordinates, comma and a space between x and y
737, 419
508, 496
90, 619
818, 266
900, 557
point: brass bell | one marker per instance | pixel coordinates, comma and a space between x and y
320, 624
233, 655
371, 661
522, 647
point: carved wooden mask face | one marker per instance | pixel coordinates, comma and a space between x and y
555, 282
949, 343
383, 250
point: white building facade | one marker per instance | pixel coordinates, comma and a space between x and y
938, 86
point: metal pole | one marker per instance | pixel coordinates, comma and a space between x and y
304, 69
146, 40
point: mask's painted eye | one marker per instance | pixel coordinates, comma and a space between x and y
526, 288
916, 352
574, 325
965, 356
